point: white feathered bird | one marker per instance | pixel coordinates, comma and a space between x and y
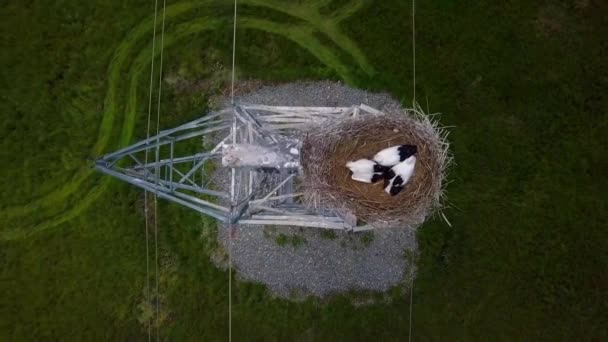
367, 171
399, 175
395, 154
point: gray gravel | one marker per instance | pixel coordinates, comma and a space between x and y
320, 266
300, 262
318, 93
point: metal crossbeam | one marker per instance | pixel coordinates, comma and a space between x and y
255, 197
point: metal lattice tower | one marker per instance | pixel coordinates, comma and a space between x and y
247, 175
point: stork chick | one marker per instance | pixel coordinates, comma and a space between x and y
395, 154
367, 171
399, 175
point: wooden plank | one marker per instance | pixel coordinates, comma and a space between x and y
276, 198
293, 109
302, 115
285, 119
274, 210
279, 127
297, 218
364, 228
370, 109
312, 224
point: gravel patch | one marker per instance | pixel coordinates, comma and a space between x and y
318, 93
318, 265
300, 262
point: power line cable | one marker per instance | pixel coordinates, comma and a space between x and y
147, 292
157, 171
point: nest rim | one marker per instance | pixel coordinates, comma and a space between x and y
327, 147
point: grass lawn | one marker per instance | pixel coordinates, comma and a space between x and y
523, 83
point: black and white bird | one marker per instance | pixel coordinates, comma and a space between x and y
395, 154
367, 171
399, 175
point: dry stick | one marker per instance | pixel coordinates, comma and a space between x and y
353, 148
362, 194
389, 139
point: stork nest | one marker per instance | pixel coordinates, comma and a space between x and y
327, 181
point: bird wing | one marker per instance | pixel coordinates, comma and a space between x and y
365, 177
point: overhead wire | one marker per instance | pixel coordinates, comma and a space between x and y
147, 291
233, 54
414, 105
232, 192
157, 172
157, 168
414, 49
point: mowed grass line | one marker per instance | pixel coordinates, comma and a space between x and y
523, 261
301, 35
107, 124
328, 25
110, 103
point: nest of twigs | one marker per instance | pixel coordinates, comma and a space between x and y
329, 146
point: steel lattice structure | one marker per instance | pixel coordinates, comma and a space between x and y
247, 175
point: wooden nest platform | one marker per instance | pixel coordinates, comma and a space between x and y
329, 146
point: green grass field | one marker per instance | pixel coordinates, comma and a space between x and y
523, 83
